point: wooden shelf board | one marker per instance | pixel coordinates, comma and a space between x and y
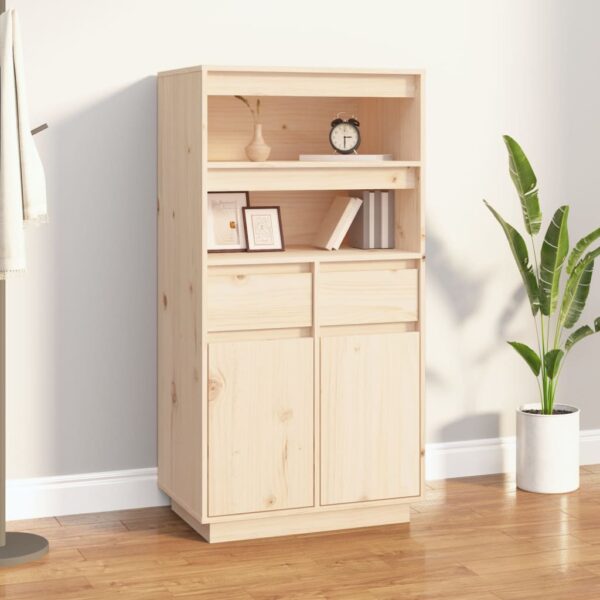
306, 83
300, 175
306, 164
303, 254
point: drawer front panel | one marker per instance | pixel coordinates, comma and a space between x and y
242, 301
380, 296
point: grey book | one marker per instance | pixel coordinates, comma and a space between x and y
373, 226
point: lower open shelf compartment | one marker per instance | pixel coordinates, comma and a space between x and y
302, 212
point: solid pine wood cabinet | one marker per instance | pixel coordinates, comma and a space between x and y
290, 384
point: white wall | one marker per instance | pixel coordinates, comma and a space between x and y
82, 320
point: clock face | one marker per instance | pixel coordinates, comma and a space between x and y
344, 138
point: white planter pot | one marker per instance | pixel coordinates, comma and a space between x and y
548, 450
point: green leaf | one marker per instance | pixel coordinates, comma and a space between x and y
552, 361
597, 325
580, 248
526, 183
554, 252
578, 335
519, 250
530, 356
577, 290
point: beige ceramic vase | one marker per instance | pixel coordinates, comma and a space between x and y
257, 150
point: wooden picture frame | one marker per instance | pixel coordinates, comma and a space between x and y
221, 233
270, 236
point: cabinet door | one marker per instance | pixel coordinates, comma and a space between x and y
260, 426
370, 417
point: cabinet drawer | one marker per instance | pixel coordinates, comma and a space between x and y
368, 296
250, 299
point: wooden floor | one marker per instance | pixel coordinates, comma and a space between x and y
471, 539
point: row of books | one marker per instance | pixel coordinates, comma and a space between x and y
367, 217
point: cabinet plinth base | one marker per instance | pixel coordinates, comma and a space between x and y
263, 527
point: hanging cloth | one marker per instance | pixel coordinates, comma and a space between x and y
22, 180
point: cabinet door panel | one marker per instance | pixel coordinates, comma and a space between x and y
261, 426
370, 418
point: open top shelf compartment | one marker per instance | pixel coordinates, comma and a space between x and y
294, 125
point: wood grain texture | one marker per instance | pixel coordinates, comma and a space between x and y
301, 212
369, 417
261, 430
240, 301
300, 125
308, 254
469, 539
276, 525
409, 230
247, 177
373, 296
291, 126
180, 273
298, 83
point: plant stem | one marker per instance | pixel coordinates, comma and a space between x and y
537, 335
254, 116
558, 332
546, 401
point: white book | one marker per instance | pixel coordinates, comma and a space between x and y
337, 221
345, 157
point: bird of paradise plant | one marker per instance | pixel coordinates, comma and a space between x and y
555, 310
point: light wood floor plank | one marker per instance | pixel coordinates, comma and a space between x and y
470, 539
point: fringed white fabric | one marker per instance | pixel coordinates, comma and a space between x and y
22, 180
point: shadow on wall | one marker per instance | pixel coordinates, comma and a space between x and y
463, 292
102, 190
463, 296
501, 329
483, 426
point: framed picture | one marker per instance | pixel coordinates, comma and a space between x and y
224, 223
263, 228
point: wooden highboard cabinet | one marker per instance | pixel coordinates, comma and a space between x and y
290, 384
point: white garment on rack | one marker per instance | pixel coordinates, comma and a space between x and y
22, 180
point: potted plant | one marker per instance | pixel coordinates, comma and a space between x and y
548, 433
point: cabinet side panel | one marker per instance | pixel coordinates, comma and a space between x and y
179, 288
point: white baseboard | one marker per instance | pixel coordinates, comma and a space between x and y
137, 488
471, 457
85, 493
488, 456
